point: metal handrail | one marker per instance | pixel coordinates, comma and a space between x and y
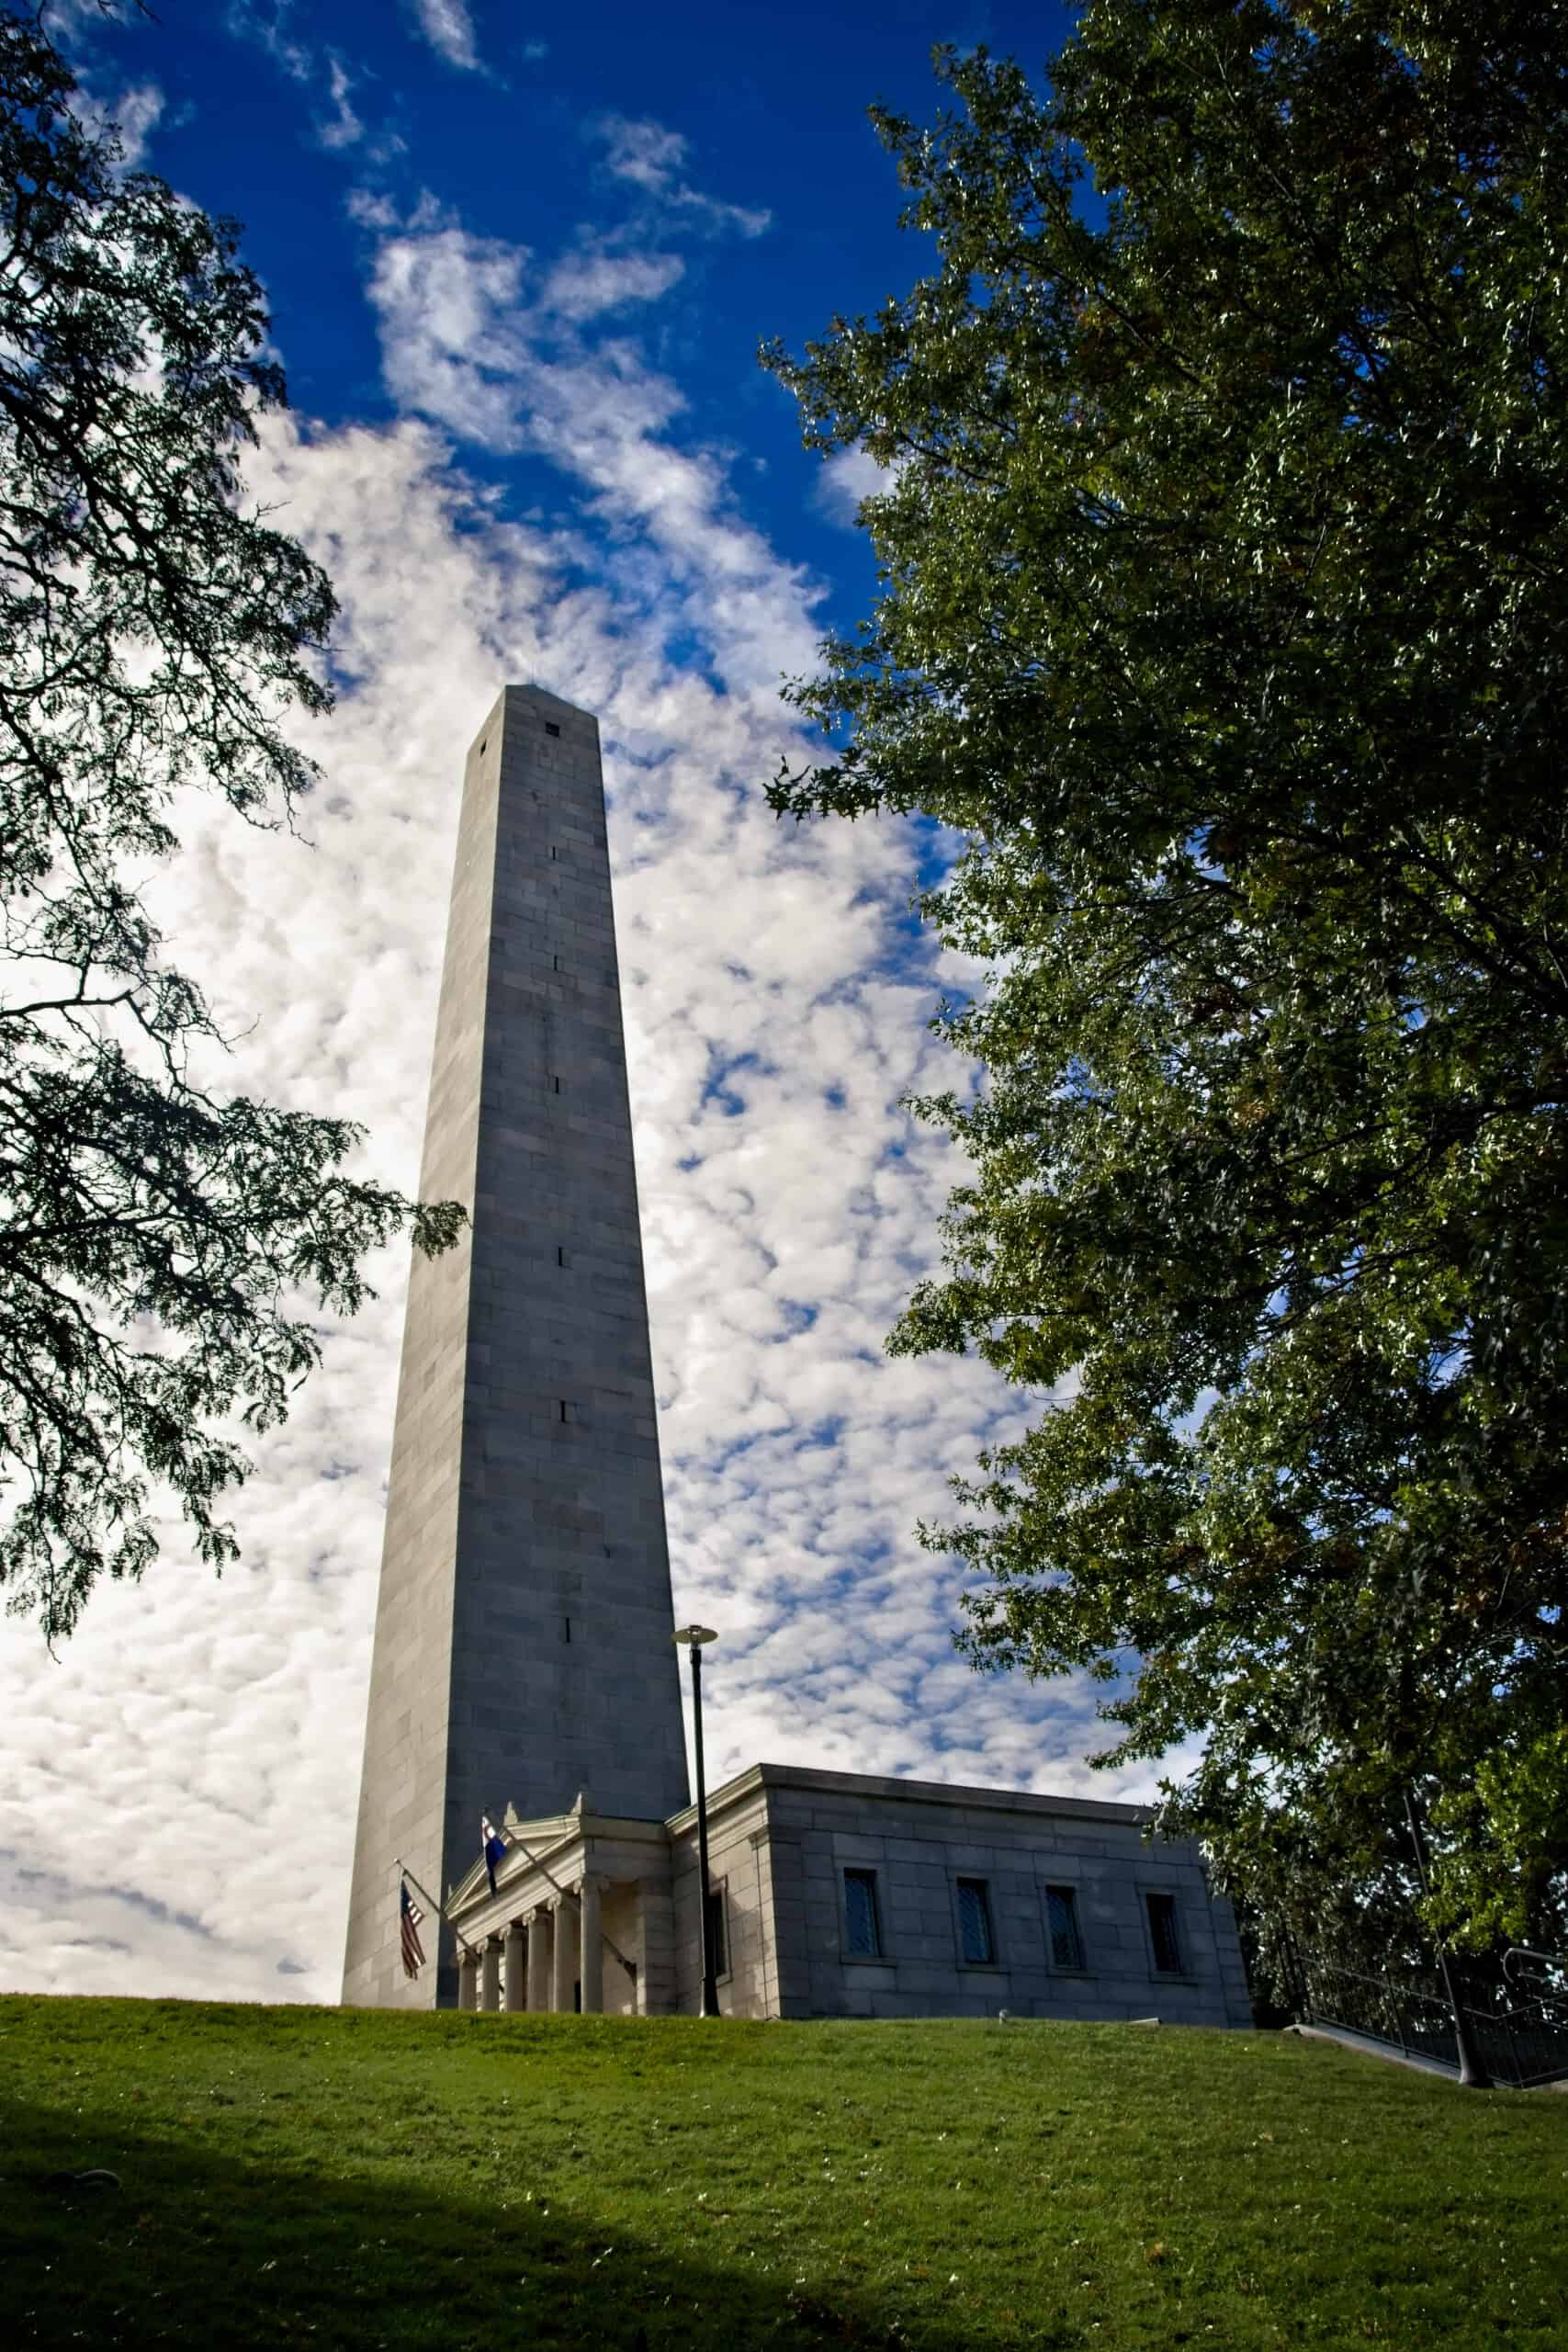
1387, 1987
1403, 2016
1544, 1979
1542, 1959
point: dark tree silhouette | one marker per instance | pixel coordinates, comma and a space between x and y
160, 1249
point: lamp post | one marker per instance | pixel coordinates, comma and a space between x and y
694, 1637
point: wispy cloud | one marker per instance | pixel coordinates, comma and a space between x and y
449, 28
137, 112
269, 24
344, 130
134, 112
846, 477
651, 157
588, 283
467, 343
326, 74
644, 152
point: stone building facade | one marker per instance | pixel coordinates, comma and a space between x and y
839, 1894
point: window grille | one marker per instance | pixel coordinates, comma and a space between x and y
718, 1931
1163, 1934
1062, 1920
975, 1936
862, 1930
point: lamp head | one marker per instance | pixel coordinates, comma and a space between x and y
695, 1634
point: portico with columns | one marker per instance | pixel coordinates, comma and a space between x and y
849, 1894
581, 1919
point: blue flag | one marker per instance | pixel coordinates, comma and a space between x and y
493, 1845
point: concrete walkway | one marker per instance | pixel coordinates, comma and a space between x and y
1370, 2047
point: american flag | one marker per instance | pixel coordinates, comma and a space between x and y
413, 1950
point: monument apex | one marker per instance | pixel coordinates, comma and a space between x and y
523, 1650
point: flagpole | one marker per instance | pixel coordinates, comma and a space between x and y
439, 1908
567, 1895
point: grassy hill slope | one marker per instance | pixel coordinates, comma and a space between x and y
295, 2176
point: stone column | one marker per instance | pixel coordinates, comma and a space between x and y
782, 1872
591, 1946
489, 1978
468, 1979
538, 1959
516, 1990
655, 1952
562, 2000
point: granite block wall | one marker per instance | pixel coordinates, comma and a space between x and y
781, 1846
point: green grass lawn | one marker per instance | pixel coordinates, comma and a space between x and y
296, 2175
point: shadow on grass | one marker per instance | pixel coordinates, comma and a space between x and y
198, 2246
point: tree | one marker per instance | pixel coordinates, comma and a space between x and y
1222, 613
159, 1248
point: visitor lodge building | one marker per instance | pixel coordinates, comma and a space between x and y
839, 1895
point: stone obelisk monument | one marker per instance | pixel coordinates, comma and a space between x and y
523, 1650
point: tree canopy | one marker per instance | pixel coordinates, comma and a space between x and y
1222, 611
162, 1251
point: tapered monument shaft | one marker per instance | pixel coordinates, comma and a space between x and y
522, 1647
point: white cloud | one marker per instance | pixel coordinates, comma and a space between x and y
586, 284
62, 18
644, 152
344, 130
459, 352
846, 477
650, 157
268, 23
449, 28
372, 208
136, 113
178, 1792
464, 343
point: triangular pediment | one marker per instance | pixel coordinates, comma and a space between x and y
539, 1838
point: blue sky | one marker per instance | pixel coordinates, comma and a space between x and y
519, 266
277, 112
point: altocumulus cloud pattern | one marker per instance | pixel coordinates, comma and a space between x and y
178, 1792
